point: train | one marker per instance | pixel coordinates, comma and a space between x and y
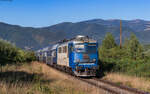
78, 55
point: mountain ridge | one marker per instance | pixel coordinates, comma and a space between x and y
96, 28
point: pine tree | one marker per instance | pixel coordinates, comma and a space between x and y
109, 41
135, 49
126, 43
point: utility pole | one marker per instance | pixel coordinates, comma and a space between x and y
120, 34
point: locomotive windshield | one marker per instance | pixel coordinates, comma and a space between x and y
88, 48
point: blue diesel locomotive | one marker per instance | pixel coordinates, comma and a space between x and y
79, 54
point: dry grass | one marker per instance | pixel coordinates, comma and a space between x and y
38, 78
135, 82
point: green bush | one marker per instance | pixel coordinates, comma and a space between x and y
10, 54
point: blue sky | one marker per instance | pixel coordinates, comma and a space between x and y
39, 13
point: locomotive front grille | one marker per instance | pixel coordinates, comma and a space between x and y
85, 72
86, 59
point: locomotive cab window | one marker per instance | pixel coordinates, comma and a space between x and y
85, 48
91, 49
79, 48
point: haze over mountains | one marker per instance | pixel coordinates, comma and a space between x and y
96, 28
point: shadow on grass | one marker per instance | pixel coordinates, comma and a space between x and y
20, 76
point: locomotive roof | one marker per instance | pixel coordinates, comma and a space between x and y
78, 39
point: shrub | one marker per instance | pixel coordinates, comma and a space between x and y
10, 54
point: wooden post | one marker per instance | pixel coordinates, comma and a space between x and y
120, 34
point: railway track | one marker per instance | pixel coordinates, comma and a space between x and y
109, 87
124, 88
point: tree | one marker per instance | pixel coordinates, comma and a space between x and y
105, 51
135, 49
109, 41
126, 43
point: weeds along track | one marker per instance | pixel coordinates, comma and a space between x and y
121, 87
109, 87
116, 89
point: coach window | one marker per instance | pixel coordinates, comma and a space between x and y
59, 50
55, 54
64, 49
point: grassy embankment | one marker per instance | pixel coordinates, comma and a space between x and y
130, 81
37, 78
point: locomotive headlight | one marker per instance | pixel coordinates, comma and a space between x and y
94, 60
